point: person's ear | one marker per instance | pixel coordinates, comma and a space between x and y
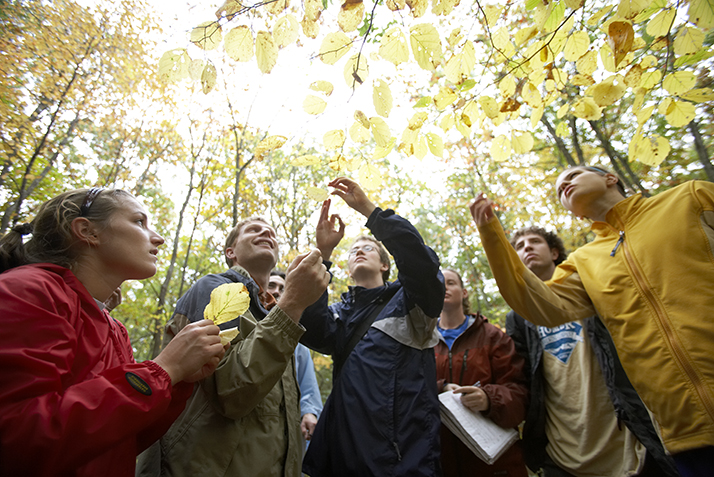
85, 231
466, 292
554, 253
384, 267
611, 179
230, 254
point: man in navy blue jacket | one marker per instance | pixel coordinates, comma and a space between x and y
382, 418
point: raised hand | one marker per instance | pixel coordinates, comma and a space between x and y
481, 209
353, 195
305, 281
327, 234
193, 353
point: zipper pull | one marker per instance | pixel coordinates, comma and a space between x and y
619, 241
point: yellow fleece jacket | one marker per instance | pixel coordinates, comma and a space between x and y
649, 274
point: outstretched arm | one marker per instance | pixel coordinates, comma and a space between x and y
353, 195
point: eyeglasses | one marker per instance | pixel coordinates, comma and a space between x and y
89, 199
364, 248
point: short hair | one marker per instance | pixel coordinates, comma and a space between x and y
277, 273
52, 238
553, 241
383, 254
603, 171
466, 305
235, 232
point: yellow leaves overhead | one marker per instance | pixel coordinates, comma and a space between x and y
313, 104
359, 133
688, 41
460, 65
369, 176
393, 46
207, 35
285, 31
334, 46
680, 113
648, 150
356, 71
679, 83
380, 131
382, 98
608, 91
444, 98
587, 108
620, 36
577, 45
173, 65
239, 43
266, 52
701, 13
322, 86
267, 145
661, 23
350, 16
436, 144
334, 139
500, 148
426, 45
208, 78
699, 95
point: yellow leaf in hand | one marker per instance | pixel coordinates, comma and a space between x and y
315, 193
228, 302
228, 335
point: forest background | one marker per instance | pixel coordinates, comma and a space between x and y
210, 113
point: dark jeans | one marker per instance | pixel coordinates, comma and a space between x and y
696, 462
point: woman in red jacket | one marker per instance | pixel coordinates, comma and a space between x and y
72, 400
478, 361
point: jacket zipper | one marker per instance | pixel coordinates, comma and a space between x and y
619, 242
669, 332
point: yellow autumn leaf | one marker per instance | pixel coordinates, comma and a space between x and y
577, 45
500, 148
229, 8
644, 114
358, 133
313, 104
382, 98
380, 131
338, 163
393, 46
276, 7
228, 302
679, 82
228, 335
174, 65
562, 111
313, 9
207, 35
574, 4
239, 43
701, 13
334, 46
664, 105
587, 64
562, 129
459, 67
306, 160
362, 119
443, 7
334, 139
286, 30
607, 91
650, 79
493, 13
648, 61
208, 78
356, 71
444, 98
409, 136
507, 86
651, 151
382, 151
699, 95
322, 86
369, 176
536, 115
267, 145
688, 41
317, 193
417, 120
586, 108
396, 5
582, 80
680, 113
266, 53
195, 69
595, 18
489, 106
350, 16
524, 34
310, 28
531, 95
633, 78
661, 23
630, 8
447, 122
436, 144
521, 141
426, 45
420, 148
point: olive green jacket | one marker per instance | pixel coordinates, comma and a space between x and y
245, 418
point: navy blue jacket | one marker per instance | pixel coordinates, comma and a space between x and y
382, 417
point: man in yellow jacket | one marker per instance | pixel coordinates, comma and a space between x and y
648, 274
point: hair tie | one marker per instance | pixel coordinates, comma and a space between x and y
23, 229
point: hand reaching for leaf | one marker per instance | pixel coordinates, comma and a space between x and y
306, 280
481, 209
193, 354
353, 195
327, 235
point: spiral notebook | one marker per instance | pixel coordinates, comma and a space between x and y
485, 438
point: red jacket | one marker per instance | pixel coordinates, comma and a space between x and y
490, 359
72, 399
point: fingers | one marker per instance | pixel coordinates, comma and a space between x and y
295, 263
324, 211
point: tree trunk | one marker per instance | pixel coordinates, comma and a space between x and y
701, 149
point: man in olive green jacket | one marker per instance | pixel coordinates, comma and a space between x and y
245, 418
